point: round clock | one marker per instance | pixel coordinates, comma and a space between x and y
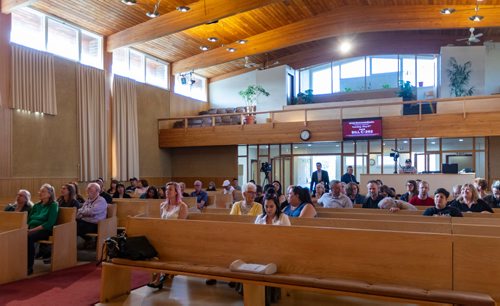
305, 135
372, 162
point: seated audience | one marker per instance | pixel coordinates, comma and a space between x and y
172, 208
201, 196
319, 191
259, 195
22, 203
385, 191
103, 194
373, 197
494, 198
442, 208
41, 219
247, 206
68, 197
298, 203
348, 177
411, 191
133, 184
211, 186
120, 192
352, 192
162, 192
228, 189
394, 205
235, 185
142, 187
343, 187
272, 214
183, 189
151, 193
422, 198
335, 198
112, 187
469, 201
279, 192
457, 189
79, 197
285, 203
92, 211
408, 168
481, 187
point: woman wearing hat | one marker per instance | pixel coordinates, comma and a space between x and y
23, 202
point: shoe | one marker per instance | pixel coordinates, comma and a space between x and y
211, 282
158, 285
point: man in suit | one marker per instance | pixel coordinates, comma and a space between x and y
319, 176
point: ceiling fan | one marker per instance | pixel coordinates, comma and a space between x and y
473, 38
250, 64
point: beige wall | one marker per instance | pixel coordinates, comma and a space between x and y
152, 103
205, 163
48, 146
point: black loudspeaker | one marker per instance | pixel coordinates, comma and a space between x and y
450, 168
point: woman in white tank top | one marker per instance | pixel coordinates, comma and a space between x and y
172, 208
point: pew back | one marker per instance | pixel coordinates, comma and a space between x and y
13, 220
13, 242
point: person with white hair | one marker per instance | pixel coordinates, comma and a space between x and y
93, 210
247, 206
394, 205
494, 198
22, 203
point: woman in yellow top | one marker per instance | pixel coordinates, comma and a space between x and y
247, 206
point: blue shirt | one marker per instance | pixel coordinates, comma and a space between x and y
201, 196
296, 212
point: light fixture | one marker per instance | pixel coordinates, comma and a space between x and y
447, 11
309, 145
231, 50
129, 2
345, 47
212, 39
183, 8
155, 13
476, 17
204, 48
461, 140
242, 41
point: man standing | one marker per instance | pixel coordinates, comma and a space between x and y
319, 176
422, 198
92, 211
247, 206
335, 198
348, 177
201, 196
408, 168
373, 197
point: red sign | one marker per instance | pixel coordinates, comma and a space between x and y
365, 128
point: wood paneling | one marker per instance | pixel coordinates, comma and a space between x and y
10, 186
446, 125
201, 12
5, 112
9, 5
185, 106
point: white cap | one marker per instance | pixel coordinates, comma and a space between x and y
226, 183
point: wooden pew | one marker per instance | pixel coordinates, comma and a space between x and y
190, 201
388, 216
13, 246
63, 240
292, 248
224, 201
125, 209
105, 228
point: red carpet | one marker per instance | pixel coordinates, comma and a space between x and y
75, 286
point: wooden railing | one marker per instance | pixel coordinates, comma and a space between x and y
460, 105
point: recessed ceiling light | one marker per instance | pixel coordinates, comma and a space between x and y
337, 146
476, 18
309, 145
295, 147
231, 50
406, 141
183, 9
460, 140
129, 2
242, 41
212, 39
433, 142
204, 48
153, 14
345, 47
447, 11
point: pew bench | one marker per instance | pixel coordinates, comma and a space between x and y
105, 228
14, 246
63, 240
393, 269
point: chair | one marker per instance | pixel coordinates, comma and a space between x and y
63, 240
105, 228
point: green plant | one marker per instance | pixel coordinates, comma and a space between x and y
459, 76
251, 93
305, 97
406, 91
348, 89
386, 86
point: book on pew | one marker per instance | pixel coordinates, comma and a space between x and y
240, 266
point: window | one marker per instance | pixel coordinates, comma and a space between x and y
36, 30
384, 64
140, 67
191, 85
322, 80
353, 69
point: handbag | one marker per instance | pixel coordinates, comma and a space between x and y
134, 248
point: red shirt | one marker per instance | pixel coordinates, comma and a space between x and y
419, 202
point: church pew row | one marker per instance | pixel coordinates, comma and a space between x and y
403, 265
13, 242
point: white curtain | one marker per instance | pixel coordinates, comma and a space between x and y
92, 123
125, 143
33, 80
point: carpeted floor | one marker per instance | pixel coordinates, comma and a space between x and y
75, 286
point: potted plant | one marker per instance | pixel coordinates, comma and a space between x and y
406, 91
305, 97
459, 76
250, 95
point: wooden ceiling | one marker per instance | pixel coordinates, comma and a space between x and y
299, 33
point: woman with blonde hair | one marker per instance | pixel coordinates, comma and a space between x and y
469, 201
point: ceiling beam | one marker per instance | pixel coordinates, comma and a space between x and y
200, 12
9, 5
346, 20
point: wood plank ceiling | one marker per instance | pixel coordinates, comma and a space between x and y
379, 26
